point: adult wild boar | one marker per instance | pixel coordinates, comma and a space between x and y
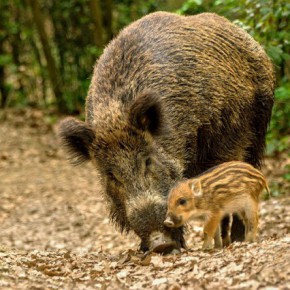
170, 97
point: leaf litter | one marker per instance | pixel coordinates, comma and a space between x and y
55, 233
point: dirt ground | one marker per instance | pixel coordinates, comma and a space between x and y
55, 233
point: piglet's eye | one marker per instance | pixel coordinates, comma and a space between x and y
182, 201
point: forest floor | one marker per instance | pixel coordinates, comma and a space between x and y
55, 231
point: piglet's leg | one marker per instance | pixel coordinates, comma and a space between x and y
210, 230
217, 238
252, 225
251, 221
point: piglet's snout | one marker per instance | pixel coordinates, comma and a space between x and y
169, 222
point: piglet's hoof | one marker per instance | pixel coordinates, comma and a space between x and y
207, 246
161, 243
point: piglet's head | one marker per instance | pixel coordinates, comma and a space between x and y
181, 202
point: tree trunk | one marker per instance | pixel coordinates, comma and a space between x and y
42, 71
54, 75
15, 40
108, 18
97, 20
3, 87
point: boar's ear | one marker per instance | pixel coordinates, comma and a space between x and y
195, 186
76, 137
146, 113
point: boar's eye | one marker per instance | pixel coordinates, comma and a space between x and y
148, 165
148, 162
145, 164
112, 177
182, 201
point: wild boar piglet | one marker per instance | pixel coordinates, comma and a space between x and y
232, 187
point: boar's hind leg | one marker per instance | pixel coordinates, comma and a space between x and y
226, 230
237, 229
260, 118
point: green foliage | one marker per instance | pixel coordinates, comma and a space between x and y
5, 59
192, 7
286, 176
268, 22
74, 48
280, 124
278, 138
128, 11
275, 189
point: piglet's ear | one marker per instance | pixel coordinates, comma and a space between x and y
146, 113
76, 137
195, 186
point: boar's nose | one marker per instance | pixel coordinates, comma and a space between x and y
168, 222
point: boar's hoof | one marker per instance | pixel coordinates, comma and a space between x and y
161, 243
226, 241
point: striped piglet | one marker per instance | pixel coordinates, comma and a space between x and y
232, 187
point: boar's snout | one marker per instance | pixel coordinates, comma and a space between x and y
162, 243
146, 214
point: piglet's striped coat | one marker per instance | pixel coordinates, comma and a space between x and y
232, 187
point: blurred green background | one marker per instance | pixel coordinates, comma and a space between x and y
48, 48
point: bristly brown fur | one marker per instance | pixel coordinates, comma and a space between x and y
146, 113
170, 97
